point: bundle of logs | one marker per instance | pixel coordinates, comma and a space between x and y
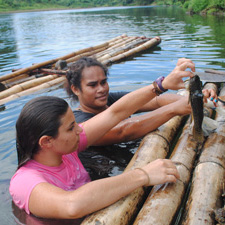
46, 74
196, 198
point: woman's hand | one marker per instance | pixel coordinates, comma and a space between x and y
210, 94
161, 171
174, 80
183, 106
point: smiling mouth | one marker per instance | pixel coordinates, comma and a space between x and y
102, 97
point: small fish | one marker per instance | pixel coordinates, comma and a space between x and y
196, 100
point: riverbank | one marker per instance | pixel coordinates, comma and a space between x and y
37, 10
209, 11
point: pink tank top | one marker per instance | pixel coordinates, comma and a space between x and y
70, 175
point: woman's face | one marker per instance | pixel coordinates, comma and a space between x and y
68, 137
94, 88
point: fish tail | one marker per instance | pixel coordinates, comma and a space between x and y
198, 136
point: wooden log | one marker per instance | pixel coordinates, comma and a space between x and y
100, 51
52, 61
208, 180
26, 85
154, 145
166, 199
37, 68
33, 89
215, 71
117, 40
107, 50
122, 49
91, 53
8, 82
153, 42
19, 81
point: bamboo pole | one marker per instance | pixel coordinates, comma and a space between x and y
33, 89
75, 58
215, 72
19, 81
146, 45
154, 145
8, 82
117, 40
165, 199
120, 40
171, 194
208, 180
122, 49
52, 61
26, 85
120, 44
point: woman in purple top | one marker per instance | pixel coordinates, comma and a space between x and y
51, 182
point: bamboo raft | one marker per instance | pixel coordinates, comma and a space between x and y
52, 72
201, 169
196, 197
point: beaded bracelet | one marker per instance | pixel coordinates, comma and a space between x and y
158, 88
138, 168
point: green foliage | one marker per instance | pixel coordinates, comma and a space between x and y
15, 4
218, 4
199, 5
192, 5
186, 4
196, 6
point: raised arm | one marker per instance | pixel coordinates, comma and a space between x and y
97, 126
139, 125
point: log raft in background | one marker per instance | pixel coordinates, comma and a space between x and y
164, 201
154, 145
209, 179
109, 52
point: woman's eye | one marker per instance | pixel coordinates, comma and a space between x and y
104, 82
71, 128
92, 85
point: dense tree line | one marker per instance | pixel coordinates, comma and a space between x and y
194, 6
70, 3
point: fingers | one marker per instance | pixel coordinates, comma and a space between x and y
171, 169
186, 64
210, 94
161, 171
182, 60
173, 172
174, 80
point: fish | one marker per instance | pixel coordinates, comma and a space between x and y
197, 105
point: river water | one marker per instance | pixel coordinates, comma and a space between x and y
32, 37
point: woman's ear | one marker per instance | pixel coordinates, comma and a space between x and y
75, 90
45, 141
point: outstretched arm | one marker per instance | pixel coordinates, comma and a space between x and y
139, 125
97, 126
159, 101
49, 201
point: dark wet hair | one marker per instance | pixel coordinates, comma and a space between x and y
40, 116
74, 74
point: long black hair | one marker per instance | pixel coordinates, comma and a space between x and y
40, 116
74, 74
